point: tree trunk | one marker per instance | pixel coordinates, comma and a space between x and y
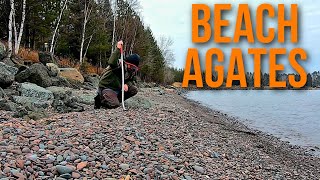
87, 12
56, 29
114, 26
10, 28
85, 53
17, 43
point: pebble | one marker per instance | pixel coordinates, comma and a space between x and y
26, 150
32, 157
124, 166
199, 169
75, 175
147, 170
66, 176
81, 165
60, 158
64, 169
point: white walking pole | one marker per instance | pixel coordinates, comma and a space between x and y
122, 69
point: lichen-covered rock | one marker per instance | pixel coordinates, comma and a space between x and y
53, 69
37, 74
87, 99
7, 75
32, 90
31, 103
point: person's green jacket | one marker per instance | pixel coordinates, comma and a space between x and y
111, 77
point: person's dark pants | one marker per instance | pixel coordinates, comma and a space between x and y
110, 99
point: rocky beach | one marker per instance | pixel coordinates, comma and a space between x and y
161, 136
50, 130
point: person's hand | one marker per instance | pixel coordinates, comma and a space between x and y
120, 44
126, 88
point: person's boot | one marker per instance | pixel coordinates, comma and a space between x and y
97, 102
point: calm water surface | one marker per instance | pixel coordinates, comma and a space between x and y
293, 116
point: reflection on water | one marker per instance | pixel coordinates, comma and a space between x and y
293, 116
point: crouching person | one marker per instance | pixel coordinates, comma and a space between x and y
110, 86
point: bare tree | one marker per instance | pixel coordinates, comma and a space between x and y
87, 13
18, 37
114, 25
165, 44
57, 26
10, 28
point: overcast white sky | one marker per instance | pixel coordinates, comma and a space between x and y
172, 18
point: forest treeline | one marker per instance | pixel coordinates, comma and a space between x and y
86, 31
313, 79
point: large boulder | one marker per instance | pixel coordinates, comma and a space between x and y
7, 75
66, 100
37, 74
86, 98
31, 103
8, 106
34, 91
71, 74
3, 51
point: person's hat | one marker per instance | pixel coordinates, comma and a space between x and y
133, 59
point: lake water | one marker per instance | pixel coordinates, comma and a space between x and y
293, 116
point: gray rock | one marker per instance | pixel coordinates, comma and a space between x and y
147, 170
199, 169
66, 176
37, 74
124, 166
86, 98
138, 102
3, 51
215, 155
45, 57
2, 93
53, 69
37, 115
60, 158
92, 79
8, 106
7, 75
64, 169
31, 103
60, 92
187, 177
32, 90
20, 112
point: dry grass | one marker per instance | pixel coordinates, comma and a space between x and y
87, 68
29, 55
33, 56
93, 70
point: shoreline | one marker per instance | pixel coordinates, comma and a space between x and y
308, 149
175, 138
